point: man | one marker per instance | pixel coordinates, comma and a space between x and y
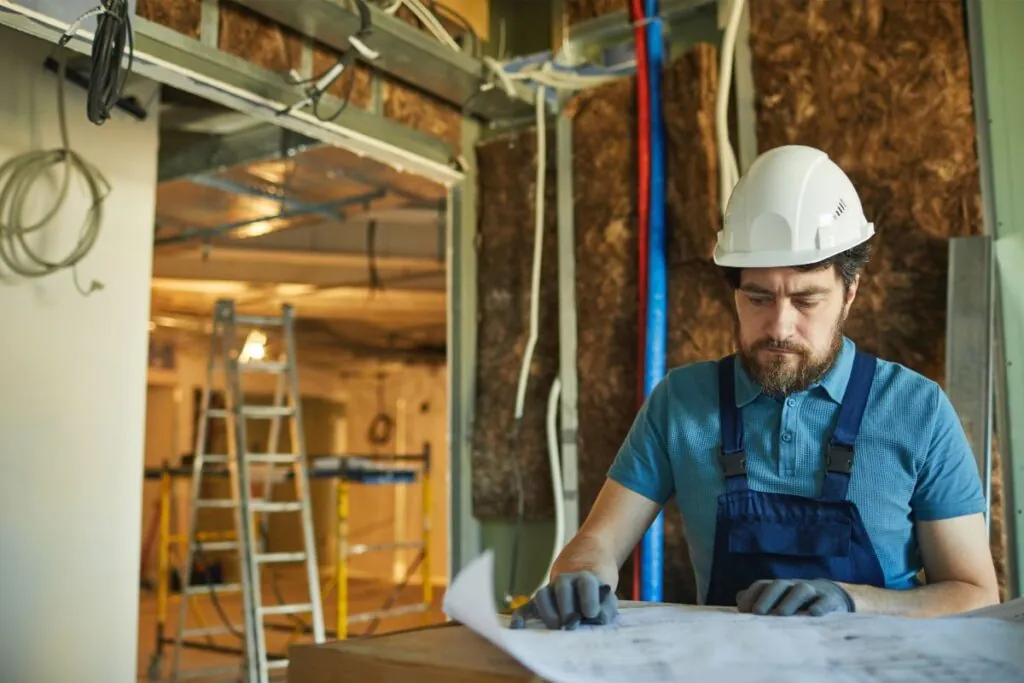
811, 477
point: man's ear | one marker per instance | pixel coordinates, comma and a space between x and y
851, 293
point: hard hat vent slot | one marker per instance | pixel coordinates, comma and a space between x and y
840, 210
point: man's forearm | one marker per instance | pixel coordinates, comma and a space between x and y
937, 599
585, 553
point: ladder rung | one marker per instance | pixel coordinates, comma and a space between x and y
210, 631
274, 458
270, 610
262, 506
258, 412
200, 589
277, 664
259, 320
268, 558
267, 411
210, 671
216, 546
215, 459
272, 366
364, 548
215, 503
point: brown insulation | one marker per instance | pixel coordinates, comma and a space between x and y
998, 531
581, 10
423, 113
507, 170
182, 16
259, 40
885, 89
604, 172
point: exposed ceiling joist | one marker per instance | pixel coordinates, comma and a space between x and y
168, 57
333, 303
273, 266
406, 53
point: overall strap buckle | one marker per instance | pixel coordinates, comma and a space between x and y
839, 458
733, 464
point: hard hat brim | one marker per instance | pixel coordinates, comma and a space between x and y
786, 259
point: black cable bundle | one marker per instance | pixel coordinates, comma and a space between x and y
107, 79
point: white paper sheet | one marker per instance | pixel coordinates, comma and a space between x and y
658, 643
1008, 611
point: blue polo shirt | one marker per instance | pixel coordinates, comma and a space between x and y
913, 460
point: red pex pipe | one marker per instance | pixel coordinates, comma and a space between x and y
637, 16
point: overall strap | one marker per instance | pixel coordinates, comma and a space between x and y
732, 457
839, 460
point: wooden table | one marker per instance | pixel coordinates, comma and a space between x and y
446, 653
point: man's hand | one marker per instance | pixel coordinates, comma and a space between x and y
569, 600
786, 597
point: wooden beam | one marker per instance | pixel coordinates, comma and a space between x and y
398, 307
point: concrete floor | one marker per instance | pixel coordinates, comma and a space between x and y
364, 596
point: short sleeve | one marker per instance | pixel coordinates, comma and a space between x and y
948, 484
642, 463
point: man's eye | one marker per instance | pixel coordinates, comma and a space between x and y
759, 300
805, 303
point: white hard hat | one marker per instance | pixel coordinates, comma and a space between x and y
794, 206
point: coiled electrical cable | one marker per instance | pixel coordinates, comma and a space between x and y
18, 177
107, 79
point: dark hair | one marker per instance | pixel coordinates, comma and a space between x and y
847, 265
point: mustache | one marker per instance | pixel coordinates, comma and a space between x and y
778, 345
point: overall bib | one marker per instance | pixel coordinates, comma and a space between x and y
780, 536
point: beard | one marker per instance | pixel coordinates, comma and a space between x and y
782, 375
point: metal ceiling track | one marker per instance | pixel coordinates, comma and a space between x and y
589, 40
173, 59
406, 53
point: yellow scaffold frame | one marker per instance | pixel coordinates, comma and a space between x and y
346, 470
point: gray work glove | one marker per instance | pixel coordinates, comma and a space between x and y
569, 600
786, 597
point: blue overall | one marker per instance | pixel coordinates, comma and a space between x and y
779, 536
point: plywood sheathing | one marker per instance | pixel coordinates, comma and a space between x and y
507, 168
250, 36
423, 113
183, 16
256, 39
581, 10
885, 89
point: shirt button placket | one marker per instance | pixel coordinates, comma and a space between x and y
787, 445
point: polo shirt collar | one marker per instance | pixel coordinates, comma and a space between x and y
834, 382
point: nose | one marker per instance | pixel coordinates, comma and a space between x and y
782, 321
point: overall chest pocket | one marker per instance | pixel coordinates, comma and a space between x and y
818, 539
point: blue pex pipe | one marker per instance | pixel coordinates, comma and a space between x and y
653, 543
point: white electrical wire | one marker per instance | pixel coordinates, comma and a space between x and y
538, 250
18, 177
729, 173
555, 461
429, 20
545, 75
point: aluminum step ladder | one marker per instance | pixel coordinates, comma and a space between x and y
232, 359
